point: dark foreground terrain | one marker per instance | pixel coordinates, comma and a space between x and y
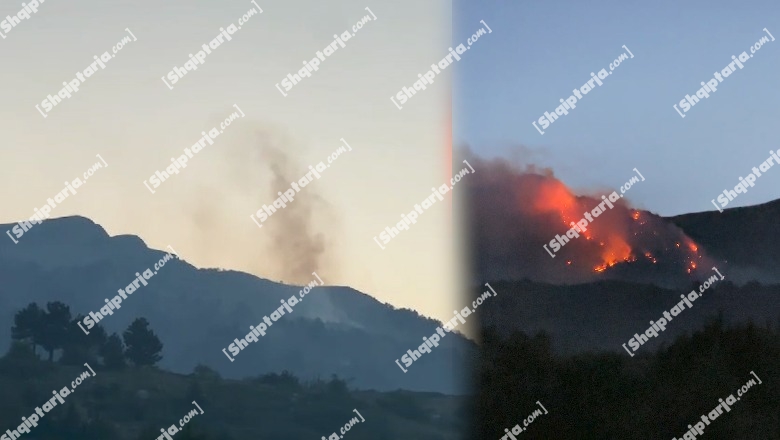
654, 395
136, 402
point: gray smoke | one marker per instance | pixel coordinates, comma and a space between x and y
295, 244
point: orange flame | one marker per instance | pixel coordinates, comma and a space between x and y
613, 240
554, 197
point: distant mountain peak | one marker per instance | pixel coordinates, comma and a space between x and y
72, 227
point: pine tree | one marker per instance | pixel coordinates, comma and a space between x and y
143, 346
80, 347
54, 331
28, 324
113, 353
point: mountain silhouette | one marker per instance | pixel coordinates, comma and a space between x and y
603, 314
199, 312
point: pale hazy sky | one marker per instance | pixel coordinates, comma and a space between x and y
127, 115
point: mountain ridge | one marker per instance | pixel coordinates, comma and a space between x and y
336, 330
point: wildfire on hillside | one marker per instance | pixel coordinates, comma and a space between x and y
519, 212
617, 236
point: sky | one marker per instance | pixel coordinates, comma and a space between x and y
126, 114
540, 51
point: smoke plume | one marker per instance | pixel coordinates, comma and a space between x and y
294, 243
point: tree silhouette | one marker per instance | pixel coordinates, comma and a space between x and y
28, 324
54, 331
80, 347
113, 353
21, 352
143, 346
337, 387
